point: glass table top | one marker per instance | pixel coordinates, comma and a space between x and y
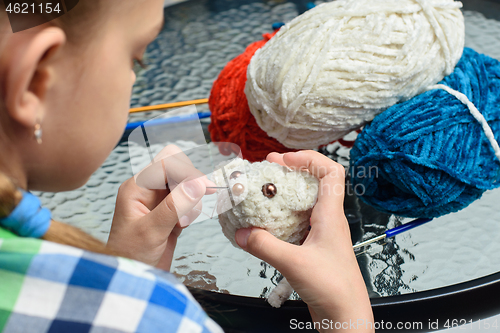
198, 39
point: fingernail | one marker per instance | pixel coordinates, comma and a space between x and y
241, 237
184, 221
193, 189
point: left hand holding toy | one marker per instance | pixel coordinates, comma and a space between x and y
323, 270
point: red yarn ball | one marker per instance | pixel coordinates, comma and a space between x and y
231, 117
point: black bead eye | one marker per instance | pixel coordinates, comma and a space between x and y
235, 174
269, 190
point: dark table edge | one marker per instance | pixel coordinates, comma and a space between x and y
425, 311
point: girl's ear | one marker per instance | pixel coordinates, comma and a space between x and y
29, 72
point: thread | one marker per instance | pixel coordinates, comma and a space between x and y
438, 152
475, 113
334, 68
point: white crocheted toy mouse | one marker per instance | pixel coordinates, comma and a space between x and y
269, 196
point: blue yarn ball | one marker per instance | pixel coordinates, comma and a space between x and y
310, 5
429, 156
277, 25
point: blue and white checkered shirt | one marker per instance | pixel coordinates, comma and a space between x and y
51, 288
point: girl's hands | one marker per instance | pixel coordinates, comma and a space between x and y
149, 217
323, 270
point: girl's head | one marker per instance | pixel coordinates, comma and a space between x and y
73, 76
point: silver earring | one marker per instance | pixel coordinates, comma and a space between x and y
38, 133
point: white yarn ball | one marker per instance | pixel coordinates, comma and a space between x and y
334, 68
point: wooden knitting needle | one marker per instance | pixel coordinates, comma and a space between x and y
169, 105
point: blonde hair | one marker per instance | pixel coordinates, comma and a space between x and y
10, 195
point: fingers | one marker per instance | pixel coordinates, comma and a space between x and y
330, 173
276, 158
177, 167
308, 160
208, 183
317, 164
171, 166
165, 261
180, 202
265, 246
171, 150
153, 176
189, 218
328, 213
